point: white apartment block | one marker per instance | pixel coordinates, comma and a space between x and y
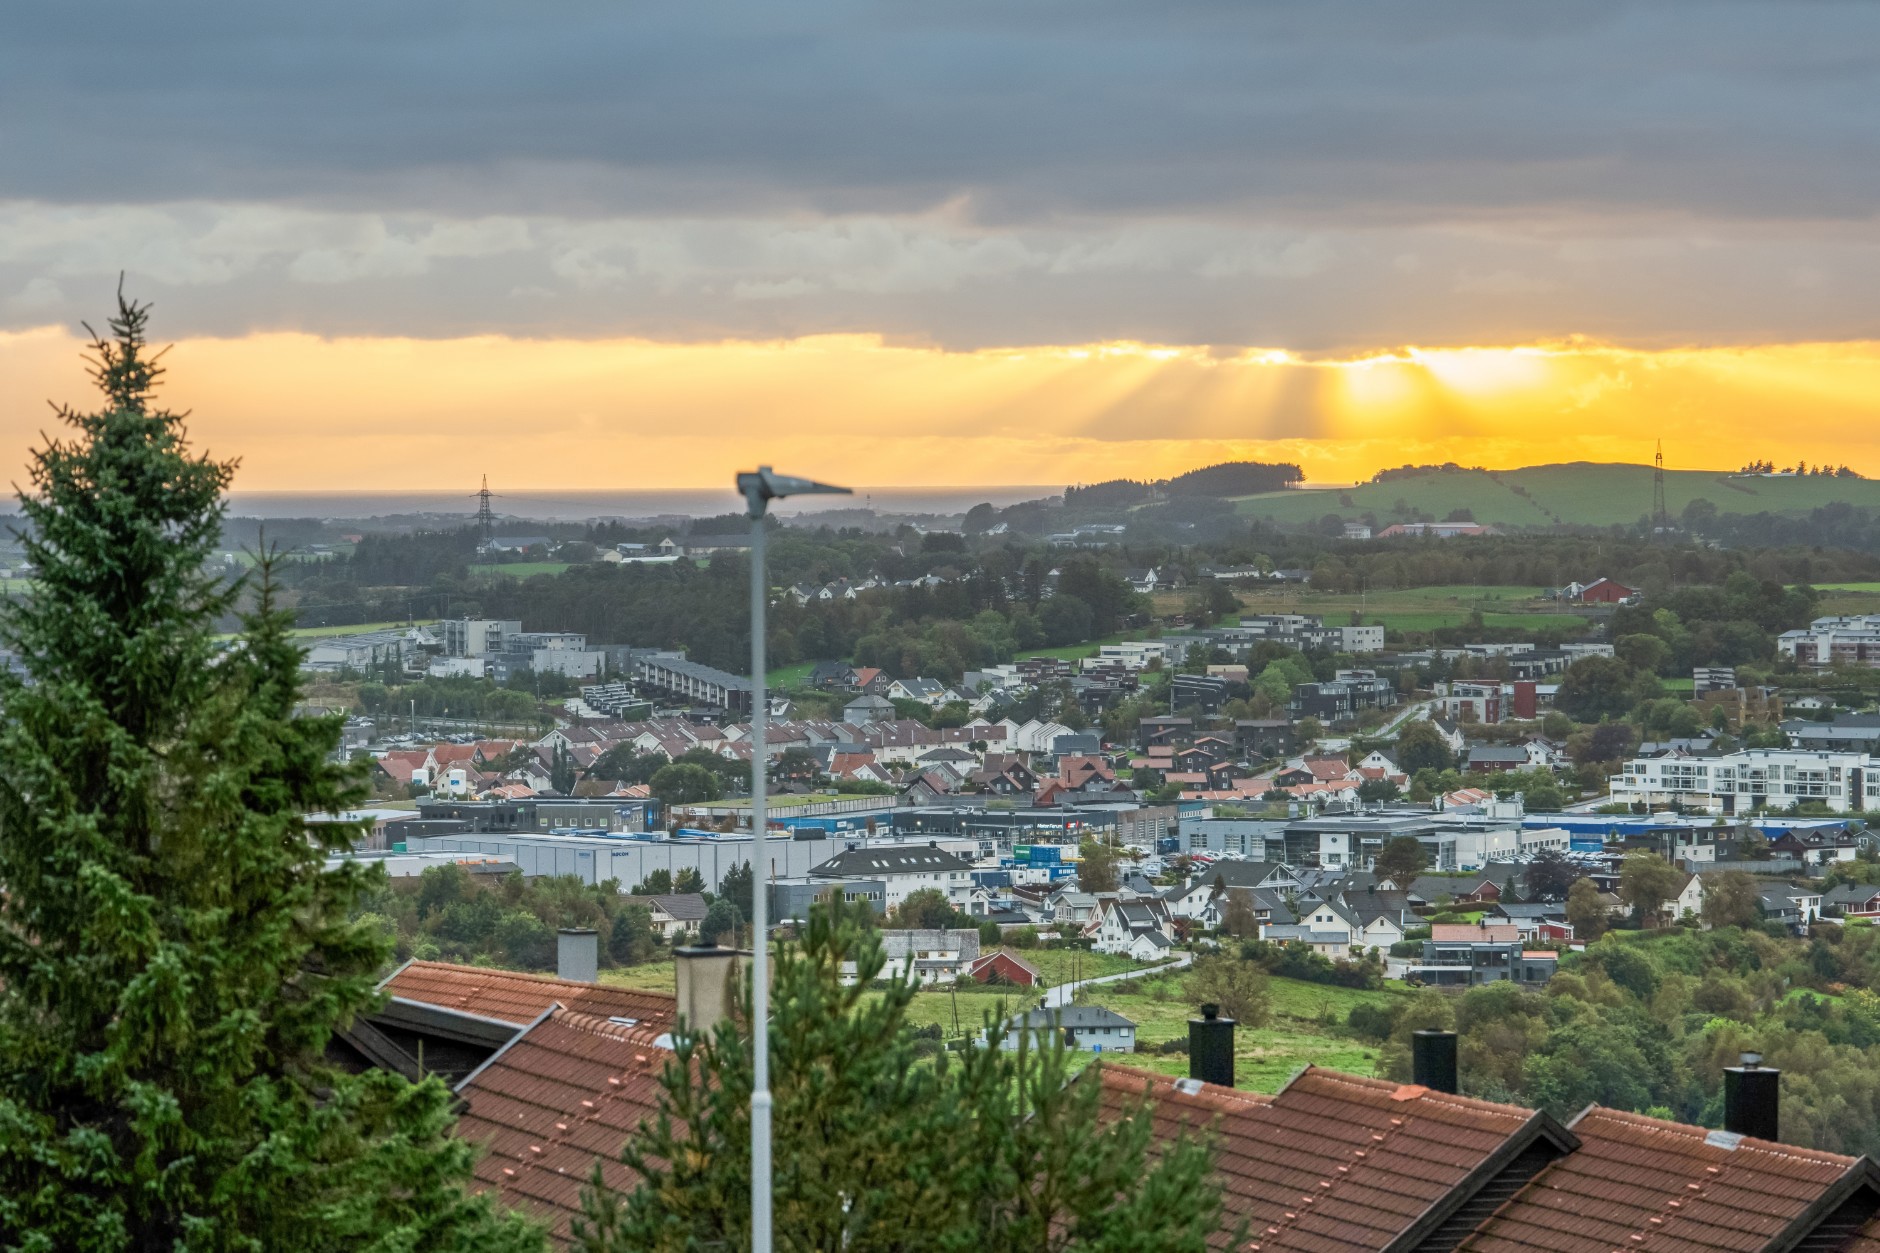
1774, 778
1853, 639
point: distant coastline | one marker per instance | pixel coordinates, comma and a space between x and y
574, 505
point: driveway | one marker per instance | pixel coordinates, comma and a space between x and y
1058, 997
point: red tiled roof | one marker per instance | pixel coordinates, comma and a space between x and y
566, 1094
520, 998
1332, 1161
1659, 1187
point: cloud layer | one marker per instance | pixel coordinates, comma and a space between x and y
1326, 177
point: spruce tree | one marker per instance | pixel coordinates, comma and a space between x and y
173, 953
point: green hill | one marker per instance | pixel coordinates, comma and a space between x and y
1579, 493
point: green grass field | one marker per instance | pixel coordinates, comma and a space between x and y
1416, 608
782, 678
1301, 1031
1579, 493
1074, 652
521, 569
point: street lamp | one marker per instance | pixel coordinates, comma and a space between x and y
759, 488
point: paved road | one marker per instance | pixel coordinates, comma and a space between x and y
1418, 710
1058, 997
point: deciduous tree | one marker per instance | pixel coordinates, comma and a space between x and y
1586, 913
1401, 860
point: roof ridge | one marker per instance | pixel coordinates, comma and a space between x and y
1697, 1135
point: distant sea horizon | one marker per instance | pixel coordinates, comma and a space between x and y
550, 504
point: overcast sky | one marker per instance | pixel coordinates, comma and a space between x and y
1322, 177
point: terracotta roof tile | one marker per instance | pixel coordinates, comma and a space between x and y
1659, 1187
521, 998
565, 1095
1332, 1161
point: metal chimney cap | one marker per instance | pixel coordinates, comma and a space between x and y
1210, 1012
1750, 1061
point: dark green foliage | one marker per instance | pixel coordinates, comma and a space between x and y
1293, 960
721, 924
450, 914
173, 953
735, 886
683, 783
892, 1142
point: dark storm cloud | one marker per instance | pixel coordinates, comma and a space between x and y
1313, 175
1373, 110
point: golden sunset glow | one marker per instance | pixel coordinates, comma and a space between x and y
376, 413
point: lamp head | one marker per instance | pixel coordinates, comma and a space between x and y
761, 486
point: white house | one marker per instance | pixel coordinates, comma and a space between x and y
1116, 923
676, 913
1690, 899
1087, 1028
931, 956
1323, 925
903, 870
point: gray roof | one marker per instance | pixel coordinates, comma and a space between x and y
900, 859
901, 944
1077, 1017
683, 906
1235, 873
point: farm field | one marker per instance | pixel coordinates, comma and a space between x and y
1408, 609
522, 569
1579, 493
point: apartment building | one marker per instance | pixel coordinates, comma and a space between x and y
1850, 639
1733, 783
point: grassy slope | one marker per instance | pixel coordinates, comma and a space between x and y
1413, 609
1579, 493
1298, 1034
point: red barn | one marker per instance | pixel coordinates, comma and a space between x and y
1606, 592
1005, 965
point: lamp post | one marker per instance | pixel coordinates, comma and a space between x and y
759, 488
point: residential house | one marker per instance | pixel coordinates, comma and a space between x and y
1325, 926
932, 956
832, 676
1689, 899
1085, 1028
926, 691
1495, 758
1798, 907
1472, 954
867, 709
1851, 900
1117, 925
675, 914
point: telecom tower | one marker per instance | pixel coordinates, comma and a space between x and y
1661, 517
486, 517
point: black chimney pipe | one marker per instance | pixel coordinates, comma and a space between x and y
1752, 1099
1211, 1047
1433, 1059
